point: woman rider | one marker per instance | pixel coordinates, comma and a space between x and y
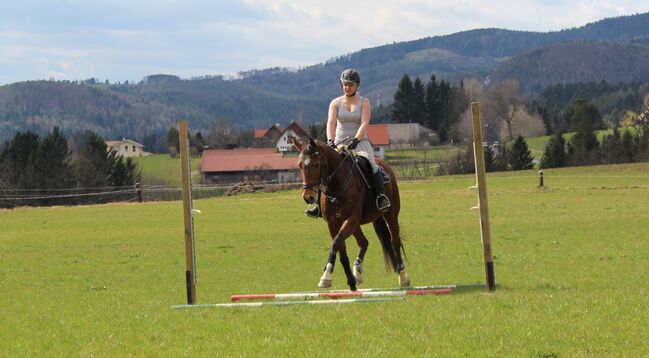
349, 117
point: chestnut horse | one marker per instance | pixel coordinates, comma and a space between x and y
346, 203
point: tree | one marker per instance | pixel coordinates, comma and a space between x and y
583, 146
433, 116
521, 156
418, 102
93, 165
17, 158
173, 140
505, 104
221, 133
403, 101
52, 163
554, 153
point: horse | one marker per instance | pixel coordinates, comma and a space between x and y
347, 204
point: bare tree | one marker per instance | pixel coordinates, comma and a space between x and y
221, 133
504, 103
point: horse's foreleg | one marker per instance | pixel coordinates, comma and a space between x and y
357, 268
344, 261
339, 236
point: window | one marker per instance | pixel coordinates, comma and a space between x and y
377, 149
133, 149
126, 148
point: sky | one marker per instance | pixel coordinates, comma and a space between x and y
122, 40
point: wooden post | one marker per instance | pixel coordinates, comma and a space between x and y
483, 203
541, 178
190, 259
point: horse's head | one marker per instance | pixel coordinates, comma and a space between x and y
311, 165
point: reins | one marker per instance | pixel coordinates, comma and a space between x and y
323, 182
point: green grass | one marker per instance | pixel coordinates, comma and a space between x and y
570, 261
162, 169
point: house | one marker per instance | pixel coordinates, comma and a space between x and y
126, 147
260, 164
268, 136
284, 142
408, 135
378, 135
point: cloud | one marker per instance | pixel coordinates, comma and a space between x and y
127, 40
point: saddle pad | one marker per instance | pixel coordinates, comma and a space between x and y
366, 171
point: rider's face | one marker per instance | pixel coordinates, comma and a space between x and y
349, 88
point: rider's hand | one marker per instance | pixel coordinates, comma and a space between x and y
353, 144
331, 143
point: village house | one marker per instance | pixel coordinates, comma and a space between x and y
267, 137
126, 148
226, 166
379, 137
408, 135
284, 142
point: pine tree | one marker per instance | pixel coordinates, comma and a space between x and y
173, 140
489, 159
17, 159
419, 102
433, 116
554, 153
403, 101
445, 100
52, 164
93, 165
521, 156
583, 148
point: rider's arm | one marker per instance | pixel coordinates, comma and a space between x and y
332, 117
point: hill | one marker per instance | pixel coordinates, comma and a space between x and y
576, 62
610, 49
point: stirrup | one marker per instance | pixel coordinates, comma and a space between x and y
383, 208
313, 212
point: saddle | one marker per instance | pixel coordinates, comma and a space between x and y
364, 168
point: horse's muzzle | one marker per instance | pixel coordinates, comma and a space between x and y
308, 196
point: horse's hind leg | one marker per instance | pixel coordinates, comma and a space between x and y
395, 240
357, 268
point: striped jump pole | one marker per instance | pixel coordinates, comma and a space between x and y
288, 303
414, 288
338, 295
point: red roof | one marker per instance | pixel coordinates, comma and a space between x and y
260, 133
378, 134
235, 160
297, 129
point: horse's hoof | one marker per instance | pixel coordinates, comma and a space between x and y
358, 274
404, 280
324, 283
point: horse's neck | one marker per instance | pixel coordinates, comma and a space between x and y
334, 161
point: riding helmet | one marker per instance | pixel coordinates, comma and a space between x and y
350, 75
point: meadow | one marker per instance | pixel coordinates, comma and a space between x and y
571, 263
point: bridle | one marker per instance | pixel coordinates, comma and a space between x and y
323, 181
320, 181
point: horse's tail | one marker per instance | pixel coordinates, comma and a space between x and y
383, 233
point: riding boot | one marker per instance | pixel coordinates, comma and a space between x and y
382, 201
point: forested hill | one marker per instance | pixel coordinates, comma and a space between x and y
610, 49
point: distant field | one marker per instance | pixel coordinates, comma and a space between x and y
571, 262
162, 169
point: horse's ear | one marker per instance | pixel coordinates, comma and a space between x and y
297, 144
313, 143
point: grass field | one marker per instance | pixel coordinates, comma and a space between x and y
162, 169
571, 264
